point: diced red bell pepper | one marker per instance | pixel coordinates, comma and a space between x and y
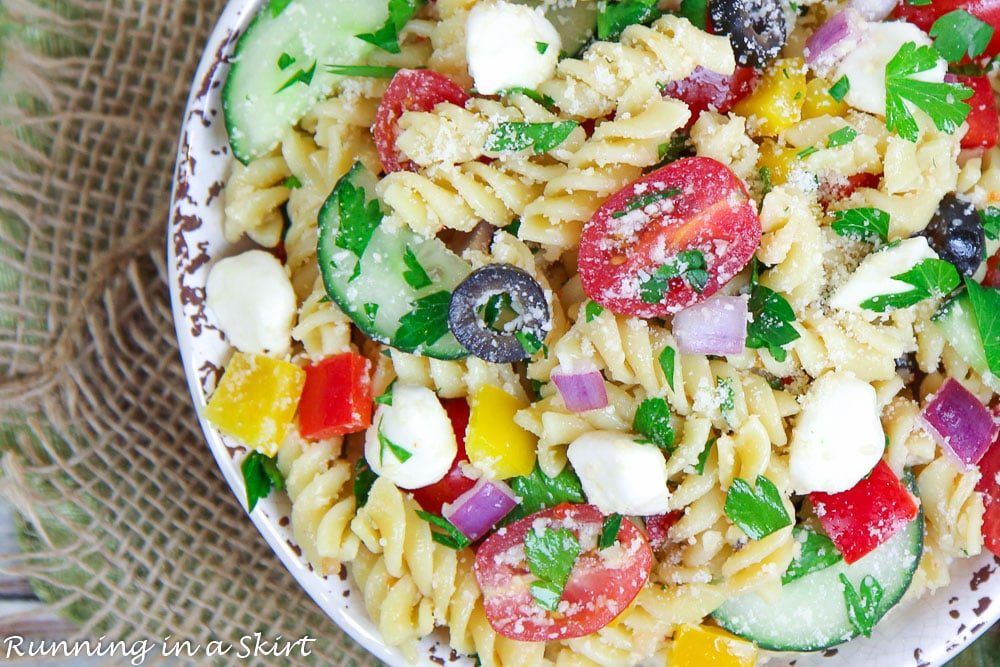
992, 278
984, 126
658, 527
989, 486
866, 515
336, 398
455, 482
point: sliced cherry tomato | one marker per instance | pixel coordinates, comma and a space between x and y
984, 126
705, 90
600, 586
989, 486
409, 90
992, 278
336, 398
692, 218
658, 527
835, 190
455, 482
923, 15
866, 515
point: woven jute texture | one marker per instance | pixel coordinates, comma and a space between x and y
127, 526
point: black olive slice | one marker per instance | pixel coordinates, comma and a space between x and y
491, 306
956, 234
756, 28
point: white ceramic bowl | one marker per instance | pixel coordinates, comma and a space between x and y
927, 632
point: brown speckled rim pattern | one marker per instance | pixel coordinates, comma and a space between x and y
920, 633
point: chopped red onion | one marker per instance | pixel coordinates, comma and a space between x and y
833, 40
960, 423
477, 510
717, 325
581, 388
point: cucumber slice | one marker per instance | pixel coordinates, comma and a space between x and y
810, 612
576, 21
279, 68
398, 292
958, 322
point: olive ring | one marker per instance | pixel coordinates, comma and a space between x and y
756, 28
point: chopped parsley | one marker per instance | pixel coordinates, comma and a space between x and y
757, 511
690, 265
400, 13
542, 47
703, 457
942, 102
538, 491
958, 34
357, 216
260, 475
867, 224
641, 201
862, 603
818, 552
592, 311
371, 312
652, 421
696, 11
497, 309
415, 275
540, 137
302, 76
285, 61
985, 304
369, 71
609, 531
446, 534
533, 95
727, 395
771, 320
613, 18
841, 137
838, 91
401, 453
806, 152
426, 323
765, 184
364, 478
667, 359
990, 217
293, 182
551, 554
929, 278
386, 398
531, 343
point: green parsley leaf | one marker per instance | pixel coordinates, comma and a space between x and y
641, 201
985, 304
689, 265
278, 6
941, 101
840, 88
371, 309
958, 34
364, 478
542, 47
540, 137
667, 359
386, 398
990, 217
727, 395
696, 11
260, 475
285, 61
551, 554
862, 605
400, 13
918, 3
293, 182
757, 511
497, 306
533, 95
818, 553
369, 71
867, 224
614, 18
806, 152
426, 323
446, 534
652, 420
302, 76
771, 320
592, 311
929, 278
538, 491
765, 180
358, 217
401, 453
531, 343
415, 275
609, 531
841, 137
703, 457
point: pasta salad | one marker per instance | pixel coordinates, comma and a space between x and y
616, 332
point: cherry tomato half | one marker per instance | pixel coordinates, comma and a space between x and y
924, 15
692, 218
984, 126
409, 90
455, 482
601, 584
989, 469
705, 90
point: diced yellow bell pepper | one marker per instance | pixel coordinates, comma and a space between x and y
819, 102
776, 102
493, 441
256, 400
700, 645
779, 160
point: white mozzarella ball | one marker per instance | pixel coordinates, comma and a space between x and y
619, 474
510, 46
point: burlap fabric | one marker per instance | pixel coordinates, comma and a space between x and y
128, 528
